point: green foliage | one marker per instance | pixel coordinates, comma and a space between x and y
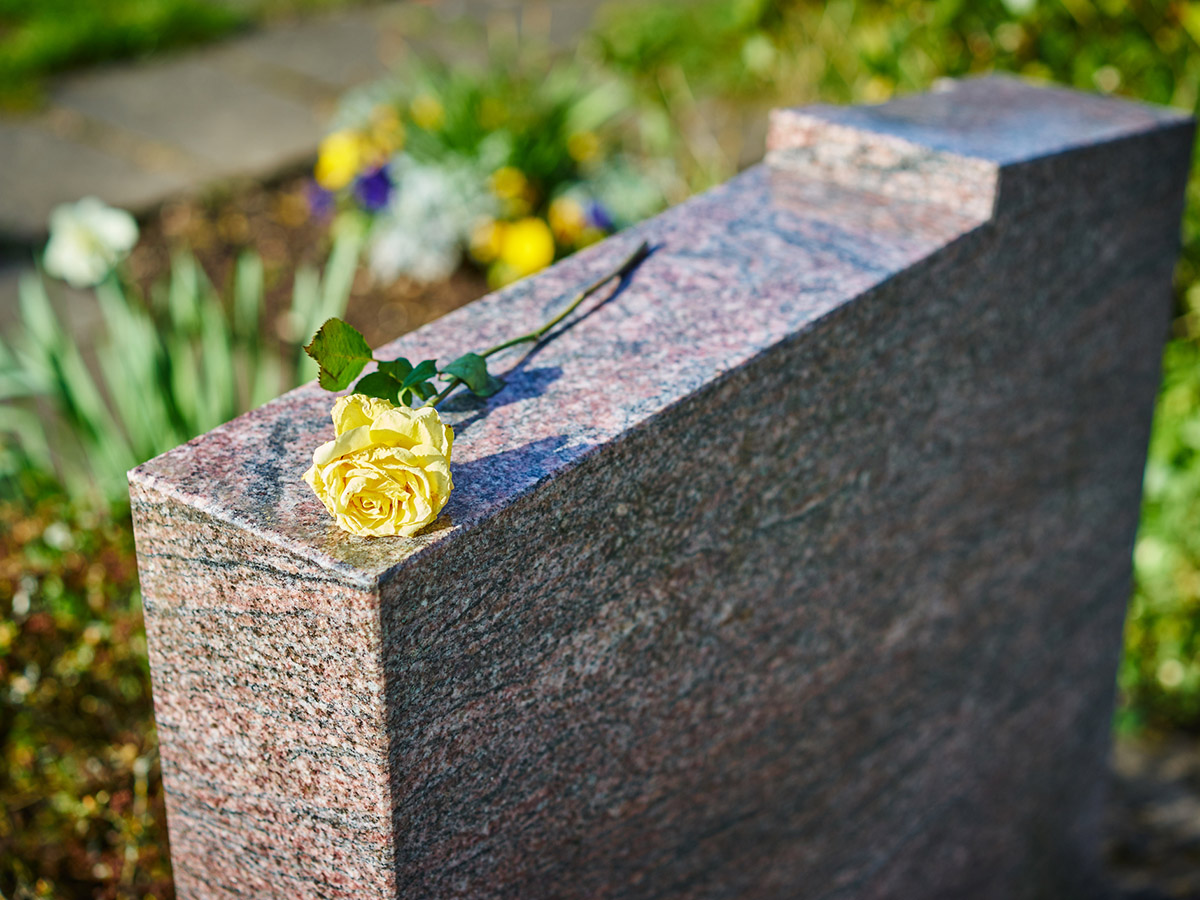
38, 37
718, 45
414, 381
170, 366
81, 803
41, 37
341, 352
472, 370
1160, 674
399, 382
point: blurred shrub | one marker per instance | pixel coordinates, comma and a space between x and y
515, 164
38, 37
41, 37
81, 806
1160, 674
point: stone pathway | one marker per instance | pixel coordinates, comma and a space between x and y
254, 106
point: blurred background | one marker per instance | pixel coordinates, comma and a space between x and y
190, 187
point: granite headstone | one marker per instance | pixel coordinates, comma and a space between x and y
795, 567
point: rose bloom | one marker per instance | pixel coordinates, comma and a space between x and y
388, 470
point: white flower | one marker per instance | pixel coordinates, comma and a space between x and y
87, 239
428, 220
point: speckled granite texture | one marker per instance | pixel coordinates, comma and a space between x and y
795, 569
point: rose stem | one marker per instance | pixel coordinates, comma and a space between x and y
621, 271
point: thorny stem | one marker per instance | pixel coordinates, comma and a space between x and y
631, 263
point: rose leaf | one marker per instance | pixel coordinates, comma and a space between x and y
423, 372
398, 369
381, 385
471, 369
341, 352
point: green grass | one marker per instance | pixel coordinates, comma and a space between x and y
39, 38
1160, 672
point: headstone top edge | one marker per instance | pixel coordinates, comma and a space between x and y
736, 270
1001, 119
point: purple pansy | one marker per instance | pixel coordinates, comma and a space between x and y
374, 189
320, 201
598, 217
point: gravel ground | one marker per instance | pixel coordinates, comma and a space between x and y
1153, 822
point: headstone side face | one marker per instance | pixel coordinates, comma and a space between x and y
269, 704
844, 624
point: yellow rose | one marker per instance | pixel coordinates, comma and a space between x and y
388, 470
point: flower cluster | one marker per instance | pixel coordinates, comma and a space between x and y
503, 170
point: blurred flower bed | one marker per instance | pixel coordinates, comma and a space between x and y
514, 165
448, 181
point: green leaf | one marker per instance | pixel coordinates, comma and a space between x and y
381, 385
471, 368
423, 372
398, 369
341, 352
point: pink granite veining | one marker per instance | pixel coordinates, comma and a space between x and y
793, 567
269, 702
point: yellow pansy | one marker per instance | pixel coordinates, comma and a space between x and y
338, 159
427, 111
527, 246
567, 220
486, 241
387, 131
509, 183
583, 146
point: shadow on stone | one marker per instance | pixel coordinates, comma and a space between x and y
524, 383
479, 483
